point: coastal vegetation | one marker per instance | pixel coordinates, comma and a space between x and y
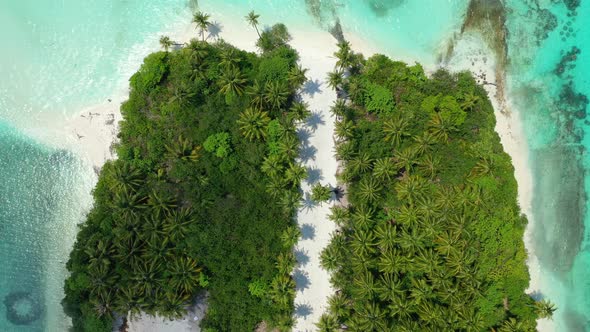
430, 236
203, 194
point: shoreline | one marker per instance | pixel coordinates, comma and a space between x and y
315, 54
476, 57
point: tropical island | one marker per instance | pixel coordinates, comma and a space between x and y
205, 191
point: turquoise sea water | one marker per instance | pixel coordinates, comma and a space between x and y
62, 56
549, 48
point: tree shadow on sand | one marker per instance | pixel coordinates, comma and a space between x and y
302, 257
303, 310
214, 30
337, 194
304, 135
314, 175
311, 87
315, 120
308, 203
307, 232
301, 280
307, 153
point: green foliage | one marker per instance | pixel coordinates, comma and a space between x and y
169, 219
378, 99
432, 237
258, 288
150, 73
218, 144
320, 193
276, 37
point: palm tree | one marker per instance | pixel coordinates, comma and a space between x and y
424, 143
512, 325
364, 287
327, 323
257, 95
253, 123
184, 273
339, 305
184, 149
282, 290
483, 167
146, 276
407, 215
102, 304
289, 148
405, 159
296, 76
361, 164
299, 111
344, 55
202, 21
386, 236
166, 43
390, 261
402, 308
440, 127
339, 108
290, 236
128, 205
276, 94
344, 129
363, 217
126, 177
199, 50
330, 258
182, 93
395, 130
272, 165
389, 287
469, 101
276, 186
545, 309
174, 307
252, 19
295, 174
429, 165
335, 79
176, 224
345, 151
369, 189
363, 243
229, 59
384, 169
153, 228
371, 317
161, 203
339, 214
129, 300
232, 82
